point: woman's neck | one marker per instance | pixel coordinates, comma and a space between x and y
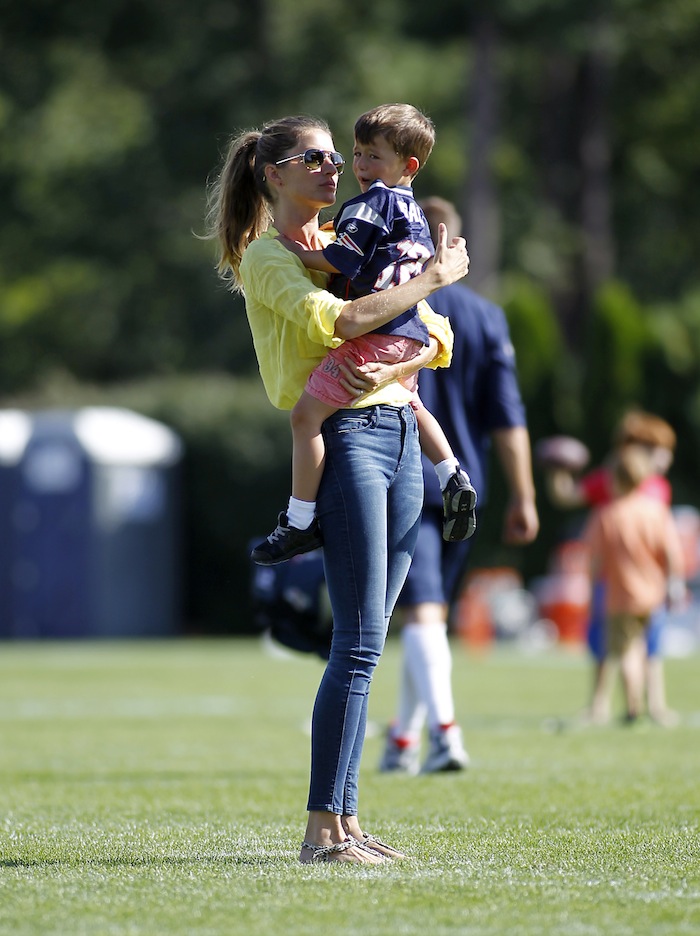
298, 226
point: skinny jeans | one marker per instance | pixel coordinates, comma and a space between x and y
369, 506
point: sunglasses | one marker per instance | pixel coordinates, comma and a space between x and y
315, 158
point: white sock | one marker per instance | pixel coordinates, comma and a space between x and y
411, 715
429, 658
445, 469
300, 514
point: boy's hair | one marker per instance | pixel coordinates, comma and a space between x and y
642, 428
408, 130
632, 464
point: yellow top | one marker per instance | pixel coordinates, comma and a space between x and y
292, 319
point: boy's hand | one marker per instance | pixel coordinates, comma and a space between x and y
451, 261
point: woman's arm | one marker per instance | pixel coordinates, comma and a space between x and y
451, 263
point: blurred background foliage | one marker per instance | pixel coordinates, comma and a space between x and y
567, 135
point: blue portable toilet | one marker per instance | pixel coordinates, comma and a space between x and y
90, 524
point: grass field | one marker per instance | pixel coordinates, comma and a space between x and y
160, 788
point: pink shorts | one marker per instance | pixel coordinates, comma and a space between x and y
324, 381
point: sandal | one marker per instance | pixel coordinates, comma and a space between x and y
323, 852
375, 844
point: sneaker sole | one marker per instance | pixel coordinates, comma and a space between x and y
463, 524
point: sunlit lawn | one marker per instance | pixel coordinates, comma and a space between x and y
151, 788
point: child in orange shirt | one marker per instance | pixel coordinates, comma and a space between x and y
635, 549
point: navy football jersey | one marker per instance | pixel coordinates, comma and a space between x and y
382, 240
479, 393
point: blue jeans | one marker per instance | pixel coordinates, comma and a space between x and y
369, 506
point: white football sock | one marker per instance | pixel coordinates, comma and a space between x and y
300, 514
411, 715
429, 659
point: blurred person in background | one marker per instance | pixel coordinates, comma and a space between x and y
477, 401
594, 489
635, 550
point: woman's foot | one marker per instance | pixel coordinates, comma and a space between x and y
388, 851
328, 839
350, 850
370, 842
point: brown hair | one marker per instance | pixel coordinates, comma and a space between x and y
642, 428
408, 130
440, 211
239, 200
631, 465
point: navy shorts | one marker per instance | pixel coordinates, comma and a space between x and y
437, 567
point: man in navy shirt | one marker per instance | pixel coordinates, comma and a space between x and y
478, 404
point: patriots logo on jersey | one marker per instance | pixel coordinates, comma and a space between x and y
348, 243
351, 227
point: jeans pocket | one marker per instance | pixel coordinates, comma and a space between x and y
347, 420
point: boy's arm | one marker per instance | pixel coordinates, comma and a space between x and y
312, 259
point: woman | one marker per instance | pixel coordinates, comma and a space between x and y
275, 182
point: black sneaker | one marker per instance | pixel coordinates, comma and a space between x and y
285, 542
459, 502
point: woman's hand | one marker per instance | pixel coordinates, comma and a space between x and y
362, 378
451, 261
365, 314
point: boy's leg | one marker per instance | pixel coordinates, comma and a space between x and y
459, 496
297, 530
308, 448
433, 440
632, 664
596, 638
655, 680
606, 670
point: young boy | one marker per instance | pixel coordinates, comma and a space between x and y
595, 489
382, 239
635, 550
